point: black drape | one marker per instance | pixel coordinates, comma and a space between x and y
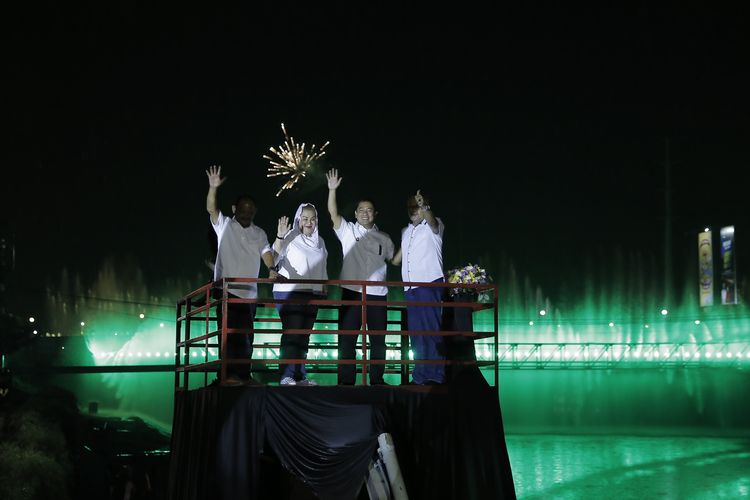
449, 440
460, 348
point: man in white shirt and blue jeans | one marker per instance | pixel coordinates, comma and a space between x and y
241, 246
421, 259
365, 249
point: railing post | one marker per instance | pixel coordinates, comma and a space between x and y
495, 308
178, 332
186, 348
208, 317
363, 311
224, 333
404, 346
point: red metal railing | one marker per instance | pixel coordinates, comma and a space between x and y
198, 305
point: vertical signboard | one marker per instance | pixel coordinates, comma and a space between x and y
705, 269
728, 266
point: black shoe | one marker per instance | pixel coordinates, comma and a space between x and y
251, 381
379, 382
346, 383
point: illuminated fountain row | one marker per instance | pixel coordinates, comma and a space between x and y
619, 320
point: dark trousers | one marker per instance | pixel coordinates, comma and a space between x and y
239, 345
294, 345
350, 318
426, 318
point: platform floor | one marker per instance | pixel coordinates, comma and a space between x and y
547, 466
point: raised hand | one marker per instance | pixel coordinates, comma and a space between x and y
334, 181
214, 176
419, 198
284, 226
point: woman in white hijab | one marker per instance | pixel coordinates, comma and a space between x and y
301, 254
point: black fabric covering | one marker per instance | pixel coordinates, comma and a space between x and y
449, 440
459, 347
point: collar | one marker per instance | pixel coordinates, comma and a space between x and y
248, 227
362, 229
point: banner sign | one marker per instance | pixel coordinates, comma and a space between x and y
705, 269
728, 266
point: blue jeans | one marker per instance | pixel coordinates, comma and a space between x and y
426, 346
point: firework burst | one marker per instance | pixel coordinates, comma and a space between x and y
292, 161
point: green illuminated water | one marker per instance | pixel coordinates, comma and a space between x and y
622, 313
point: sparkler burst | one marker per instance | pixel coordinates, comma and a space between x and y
292, 161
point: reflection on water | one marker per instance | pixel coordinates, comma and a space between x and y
629, 467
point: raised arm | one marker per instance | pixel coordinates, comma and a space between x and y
214, 181
426, 211
334, 181
282, 230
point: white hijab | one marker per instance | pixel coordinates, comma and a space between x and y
314, 239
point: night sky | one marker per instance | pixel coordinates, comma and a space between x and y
538, 132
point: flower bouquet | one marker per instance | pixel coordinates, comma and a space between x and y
470, 274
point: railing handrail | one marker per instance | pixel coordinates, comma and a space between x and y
206, 300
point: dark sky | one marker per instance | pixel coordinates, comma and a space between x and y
536, 131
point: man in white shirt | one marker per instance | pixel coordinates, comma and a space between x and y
421, 259
241, 246
366, 250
